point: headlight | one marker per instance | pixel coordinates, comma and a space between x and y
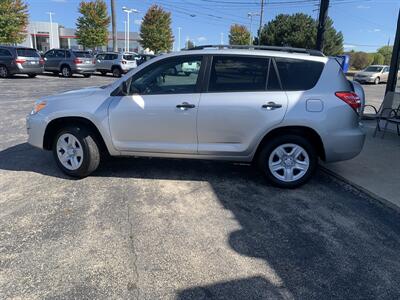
38, 107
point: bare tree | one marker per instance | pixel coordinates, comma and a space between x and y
114, 26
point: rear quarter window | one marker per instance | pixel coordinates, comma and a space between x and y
27, 53
297, 74
5, 52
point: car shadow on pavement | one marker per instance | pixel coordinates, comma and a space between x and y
324, 240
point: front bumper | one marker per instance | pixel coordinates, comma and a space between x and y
36, 127
364, 79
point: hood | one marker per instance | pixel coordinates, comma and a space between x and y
81, 93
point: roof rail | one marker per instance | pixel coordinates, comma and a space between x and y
255, 47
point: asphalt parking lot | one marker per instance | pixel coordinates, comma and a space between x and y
179, 229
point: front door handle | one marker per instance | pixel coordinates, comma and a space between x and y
271, 105
185, 105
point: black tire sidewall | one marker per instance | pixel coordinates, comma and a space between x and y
116, 72
267, 149
7, 72
89, 148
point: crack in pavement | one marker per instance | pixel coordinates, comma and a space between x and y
133, 285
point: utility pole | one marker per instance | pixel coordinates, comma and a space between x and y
323, 13
251, 15
179, 38
261, 20
114, 26
51, 45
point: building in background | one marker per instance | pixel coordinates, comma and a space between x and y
43, 36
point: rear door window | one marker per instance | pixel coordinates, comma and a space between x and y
60, 53
27, 52
4, 52
238, 74
297, 74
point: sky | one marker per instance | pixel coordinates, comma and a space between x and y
365, 24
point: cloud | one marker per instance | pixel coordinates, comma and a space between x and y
374, 30
201, 39
138, 22
363, 7
347, 46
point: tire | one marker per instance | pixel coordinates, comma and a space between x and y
187, 73
87, 75
103, 73
4, 73
377, 80
304, 157
32, 75
116, 72
66, 71
85, 154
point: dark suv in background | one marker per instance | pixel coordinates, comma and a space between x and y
19, 60
68, 62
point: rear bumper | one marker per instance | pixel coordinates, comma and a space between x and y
31, 70
84, 69
344, 144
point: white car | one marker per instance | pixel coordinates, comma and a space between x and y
282, 108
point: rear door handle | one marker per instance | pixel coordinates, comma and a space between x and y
271, 105
185, 105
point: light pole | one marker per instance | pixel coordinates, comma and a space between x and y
251, 15
51, 30
124, 35
128, 12
179, 38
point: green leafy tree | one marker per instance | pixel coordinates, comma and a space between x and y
377, 59
239, 35
359, 60
300, 30
92, 25
13, 21
386, 51
155, 31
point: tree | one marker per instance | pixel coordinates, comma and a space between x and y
377, 59
114, 26
13, 21
386, 51
359, 60
155, 31
239, 35
300, 30
92, 26
189, 44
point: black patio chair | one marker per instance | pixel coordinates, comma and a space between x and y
394, 118
390, 103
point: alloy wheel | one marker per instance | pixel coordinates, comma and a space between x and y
289, 162
69, 151
3, 72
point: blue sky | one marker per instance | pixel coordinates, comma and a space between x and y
365, 24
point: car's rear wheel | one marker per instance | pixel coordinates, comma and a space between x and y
87, 75
66, 71
4, 72
288, 161
116, 72
76, 151
32, 75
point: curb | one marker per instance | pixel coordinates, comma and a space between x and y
383, 201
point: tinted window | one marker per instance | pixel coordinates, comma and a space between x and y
4, 52
82, 54
49, 54
27, 53
130, 57
234, 74
67, 54
298, 75
60, 53
167, 78
100, 56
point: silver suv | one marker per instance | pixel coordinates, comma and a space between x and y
116, 63
281, 108
69, 62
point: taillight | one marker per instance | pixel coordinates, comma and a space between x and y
41, 61
20, 60
350, 98
78, 61
123, 61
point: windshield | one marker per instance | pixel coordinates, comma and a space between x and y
130, 57
82, 54
373, 69
27, 52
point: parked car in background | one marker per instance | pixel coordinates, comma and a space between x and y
69, 62
115, 63
190, 67
20, 60
373, 74
142, 58
281, 108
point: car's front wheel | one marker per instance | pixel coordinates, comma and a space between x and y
76, 151
377, 80
288, 161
